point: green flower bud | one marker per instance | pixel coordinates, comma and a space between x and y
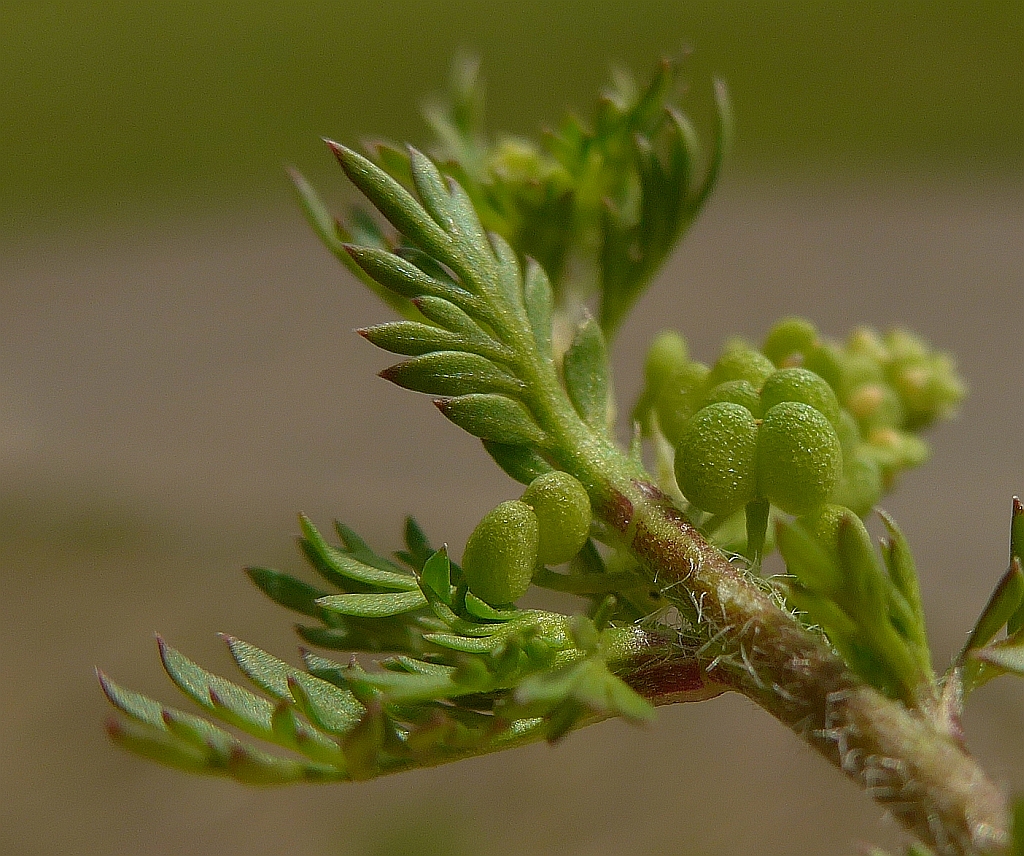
867, 342
680, 398
875, 405
563, 514
804, 386
789, 342
741, 362
799, 459
501, 553
716, 458
895, 449
739, 392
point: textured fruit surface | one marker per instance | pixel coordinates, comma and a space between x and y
716, 458
740, 392
563, 514
501, 553
799, 460
801, 385
789, 341
740, 362
680, 398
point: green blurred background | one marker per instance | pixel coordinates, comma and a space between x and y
178, 378
143, 105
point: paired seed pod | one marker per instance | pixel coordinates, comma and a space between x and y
727, 457
548, 526
501, 553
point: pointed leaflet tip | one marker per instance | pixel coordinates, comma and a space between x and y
1017, 529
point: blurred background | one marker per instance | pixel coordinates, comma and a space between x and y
178, 378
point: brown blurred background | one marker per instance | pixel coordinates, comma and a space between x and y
178, 378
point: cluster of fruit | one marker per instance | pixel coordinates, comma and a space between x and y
799, 423
548, 525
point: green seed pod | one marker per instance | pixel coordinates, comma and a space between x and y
799, 459
804, 386
860, 485
741, 362
827, 362
716, 458
680, 398
739, 392
789, 341
501, 553
668, 353
563, 513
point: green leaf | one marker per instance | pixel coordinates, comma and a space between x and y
411, 338
452, 373
436, 575
229, 701
241, 708
1007, 655
585, 369
392, 200
355, 546
374, 605
485, 612
288, 591
334, 236
405, 278
490, 416
1001, 606
807, 559
539, 301
202, 734
450, 317
521, 463
903, 572
156, 744
1016, 621
418, 548
328, 707
339, 567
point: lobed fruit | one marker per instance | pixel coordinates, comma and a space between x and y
802, 385
741, 362
680, 398
716, 457
789, 341
740, 392
501, 553
799, 459
562, 508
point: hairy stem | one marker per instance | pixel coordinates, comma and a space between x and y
901, 757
